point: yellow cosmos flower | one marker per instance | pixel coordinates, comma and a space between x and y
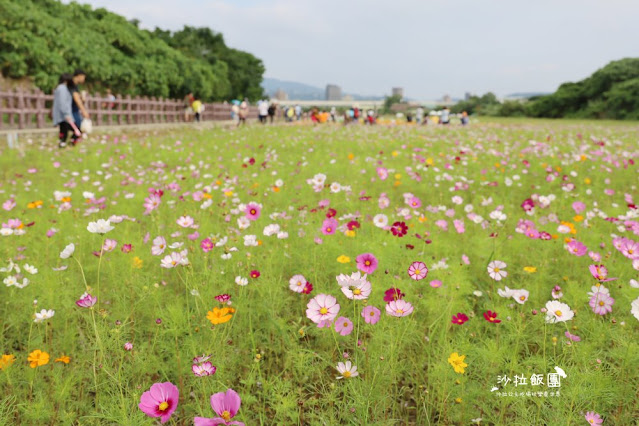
587, 181
343, 259
64, 359
6, 361
530, 269
429, 161
394, 153
578, 218
38, 358
350, 233
457, 361
351, 156
220, 316
137, 262
34, 204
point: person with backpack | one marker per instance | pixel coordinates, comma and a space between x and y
63, 113
77, 105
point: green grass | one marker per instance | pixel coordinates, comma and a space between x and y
279, 362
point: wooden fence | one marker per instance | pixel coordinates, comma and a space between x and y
20, 109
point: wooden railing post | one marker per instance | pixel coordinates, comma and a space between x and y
41, 109
20, 106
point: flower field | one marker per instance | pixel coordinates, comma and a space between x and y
299, 275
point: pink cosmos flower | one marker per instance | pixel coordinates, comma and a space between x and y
203, 369
572, 337
465, 259
577, 248
435, 283
417, 271
151, 203
399, 308
226, 405
578, 206
343, 326
366, 263
414, 202
593, 418
109, 245
86, 301
630, 249
9, 204
185, 221
329, 226
371, 314
252, 211
382, 172
160, 401
223, 298
459, 226
126, 248
601, 303
322, 307
600, 272
128, 346
159, 245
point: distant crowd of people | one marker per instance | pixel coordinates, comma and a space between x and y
70, 113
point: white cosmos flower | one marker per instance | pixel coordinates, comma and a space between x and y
205, 205
185, 221
347, 370
380, 220
44, 315
282, 235
68, 251
297, 283
23, 284
271, 229
506, 292
635, 308
100, 227
171, 260
558, 312
241, 281
5, 232
250, 240
520, 296
634, 283
496, 270
226, 256
30, 269
10, 280
243, 222
335, 187
222, 242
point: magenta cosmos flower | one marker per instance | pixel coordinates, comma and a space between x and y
226, 405
252, 211
86, 301
366, 263
399, 308
371, 314
417, 271
207, 245
399, 229
329, 226
160, 401
322, 308
393, 294
343, 326
577, 248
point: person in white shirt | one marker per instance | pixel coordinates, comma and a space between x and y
445, 118
262, 108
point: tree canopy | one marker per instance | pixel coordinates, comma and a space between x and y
43, 38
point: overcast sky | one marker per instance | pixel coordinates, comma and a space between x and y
430, 48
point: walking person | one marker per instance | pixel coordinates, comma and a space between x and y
262, 108
197, 107
445, 117
63, 113
272, 109
244, 109
188, 109
77, 105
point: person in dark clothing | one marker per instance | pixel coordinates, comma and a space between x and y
272, 108
77, 106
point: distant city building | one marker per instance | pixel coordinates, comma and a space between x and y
398, 91
333, 92
467, 96
280, 95
447, 99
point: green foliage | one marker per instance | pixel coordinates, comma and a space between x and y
44, 38
610, 92
483, 105
389, 101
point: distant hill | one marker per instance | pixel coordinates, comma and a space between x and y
526, 95
611, 92
304, 92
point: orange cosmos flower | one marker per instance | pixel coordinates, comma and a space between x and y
38, 358
220, 316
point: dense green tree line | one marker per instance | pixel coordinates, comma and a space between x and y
43, 38
611, 92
